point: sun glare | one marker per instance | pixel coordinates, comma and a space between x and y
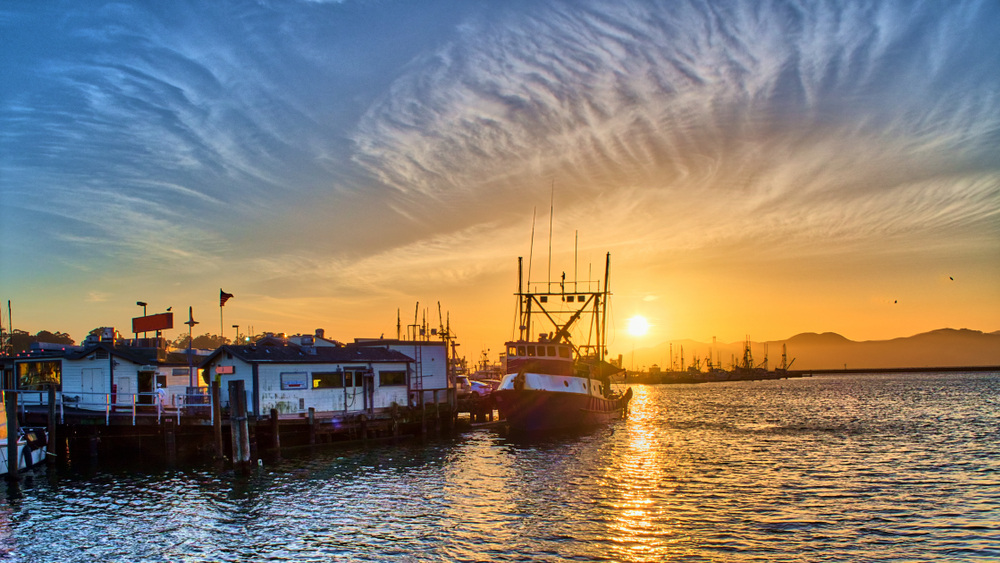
638, 326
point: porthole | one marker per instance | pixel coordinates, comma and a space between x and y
566, 383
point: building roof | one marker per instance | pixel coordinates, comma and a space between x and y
142, 356
294, 354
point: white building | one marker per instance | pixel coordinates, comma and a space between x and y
292, 378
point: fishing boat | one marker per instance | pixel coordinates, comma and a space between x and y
553, 382
30, 445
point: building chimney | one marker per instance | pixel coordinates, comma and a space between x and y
320, 332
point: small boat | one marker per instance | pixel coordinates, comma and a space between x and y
30, 445
553, 383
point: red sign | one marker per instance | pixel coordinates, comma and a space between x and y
152, 323
222, 370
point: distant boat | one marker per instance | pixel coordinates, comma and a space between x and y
30, 445
553, 383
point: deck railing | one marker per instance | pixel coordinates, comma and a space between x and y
193, 400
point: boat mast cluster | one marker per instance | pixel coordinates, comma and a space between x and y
575, 301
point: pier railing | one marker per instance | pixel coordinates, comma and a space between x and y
193, 401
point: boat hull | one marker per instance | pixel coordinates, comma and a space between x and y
532, 410
27, 457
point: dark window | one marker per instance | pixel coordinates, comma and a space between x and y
531, 350
552, 351
563, 352
161, 380
327, 380
353, 377
101, 355
520, 351
387, 378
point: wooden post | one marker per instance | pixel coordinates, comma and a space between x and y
437, 413
50, 439
238, 424
275, 431
12, 460
312, 426
217, 418
423, 413
363, 419
170, 440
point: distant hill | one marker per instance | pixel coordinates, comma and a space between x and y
939, 348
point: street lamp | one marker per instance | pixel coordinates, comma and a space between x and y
237, 339
143, 305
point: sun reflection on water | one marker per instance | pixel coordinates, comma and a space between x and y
638, 528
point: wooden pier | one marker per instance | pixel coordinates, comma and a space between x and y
121, 437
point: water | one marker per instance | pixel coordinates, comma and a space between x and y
851, 468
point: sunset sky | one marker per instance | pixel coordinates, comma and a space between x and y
754, 168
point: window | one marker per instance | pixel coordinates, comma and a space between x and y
387, 378
328, 380
101, 355
35, 376
552, 351
179, 371
531, 350
511, 351
161, 381
563, 352
353, 376
520, 351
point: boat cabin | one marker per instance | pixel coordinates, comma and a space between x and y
544, 356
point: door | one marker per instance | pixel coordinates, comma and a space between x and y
125, 391
92, 388
145, 388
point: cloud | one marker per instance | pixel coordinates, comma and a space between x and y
833, 122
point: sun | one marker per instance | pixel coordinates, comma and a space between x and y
638, 326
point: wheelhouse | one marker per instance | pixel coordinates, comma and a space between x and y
543, 357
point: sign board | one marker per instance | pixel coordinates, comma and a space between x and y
225, 370
294, 380
153, 323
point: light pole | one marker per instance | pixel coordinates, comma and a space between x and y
237, 339
143, 305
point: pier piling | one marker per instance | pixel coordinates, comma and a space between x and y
217, 418
239, 425
170, 441
11, 406
51, 457
275, 431
312, 426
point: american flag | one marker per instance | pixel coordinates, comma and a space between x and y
223, 297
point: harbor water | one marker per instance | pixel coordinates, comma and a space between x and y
834, 468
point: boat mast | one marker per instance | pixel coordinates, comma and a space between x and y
604, 313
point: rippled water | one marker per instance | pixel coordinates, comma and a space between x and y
851, 468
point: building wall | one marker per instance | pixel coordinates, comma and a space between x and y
272, 396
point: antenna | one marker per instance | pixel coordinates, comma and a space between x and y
576, 255
552, 199
531, 249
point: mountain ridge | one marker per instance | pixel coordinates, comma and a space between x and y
944, 347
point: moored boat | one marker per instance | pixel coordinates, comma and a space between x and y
553, 383
30, 445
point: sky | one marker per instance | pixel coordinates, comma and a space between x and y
760, 168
